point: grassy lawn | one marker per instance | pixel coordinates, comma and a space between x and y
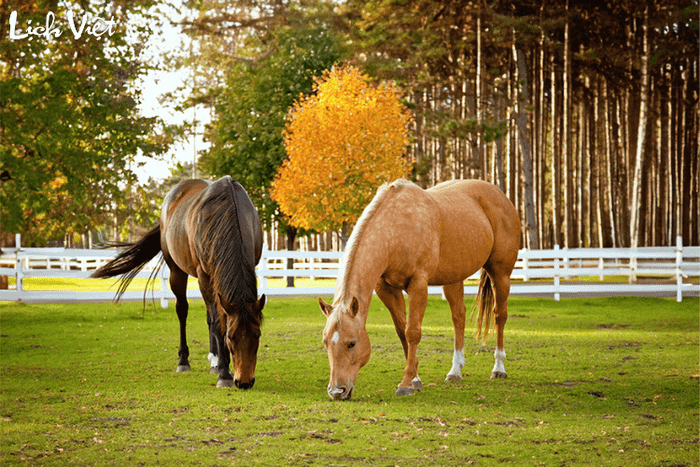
606, 381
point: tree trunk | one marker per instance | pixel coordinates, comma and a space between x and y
610, 180
530, 223
694, 142
594, 147
291, 237
499, 146
641, 139
541, 147
569, 228
556, 159
584, 174
479, 137
687, 168
344, 234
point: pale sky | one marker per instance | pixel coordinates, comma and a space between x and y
154, 86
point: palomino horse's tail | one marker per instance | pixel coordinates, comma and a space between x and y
130, 261
485, 302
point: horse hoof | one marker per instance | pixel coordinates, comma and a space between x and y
402, 391
499, 375
417, 384
213, 370
453, 378
224, 383
183, 368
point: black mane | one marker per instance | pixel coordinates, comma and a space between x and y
221, 242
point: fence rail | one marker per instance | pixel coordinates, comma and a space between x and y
659, 271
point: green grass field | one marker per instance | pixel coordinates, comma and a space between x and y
610, 381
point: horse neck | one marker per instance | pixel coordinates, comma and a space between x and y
363, 269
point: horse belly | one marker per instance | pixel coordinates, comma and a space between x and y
465, 246
458, 265
179, 250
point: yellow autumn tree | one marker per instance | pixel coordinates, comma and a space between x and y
342, 142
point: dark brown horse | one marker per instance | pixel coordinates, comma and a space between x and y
211, 231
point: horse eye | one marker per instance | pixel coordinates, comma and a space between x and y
351, 345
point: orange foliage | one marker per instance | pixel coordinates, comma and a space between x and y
342, 143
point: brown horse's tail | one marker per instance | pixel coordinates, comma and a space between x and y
485, 302
131, 261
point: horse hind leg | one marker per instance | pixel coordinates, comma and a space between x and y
501, 288
178, 284
454, 293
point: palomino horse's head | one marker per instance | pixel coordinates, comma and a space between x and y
347, 344
243, 338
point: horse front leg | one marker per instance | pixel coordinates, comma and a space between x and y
454, 293
213, 356
392, 298
222, 354
219, 358
417, 301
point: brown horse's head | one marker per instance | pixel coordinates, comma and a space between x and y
347, 344
243, 338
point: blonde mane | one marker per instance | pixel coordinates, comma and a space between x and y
351, 249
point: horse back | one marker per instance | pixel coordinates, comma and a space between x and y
174, 220
474, 197
478, 223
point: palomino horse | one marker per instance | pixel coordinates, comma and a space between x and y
211, 231
406, 239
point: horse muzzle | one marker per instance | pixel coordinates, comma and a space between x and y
340, 393
241, 385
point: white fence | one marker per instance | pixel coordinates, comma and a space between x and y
658, 271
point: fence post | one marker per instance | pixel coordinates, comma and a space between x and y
526, 277
633, 267
556, 274
679, 271
263, 270
19, 274
164, 276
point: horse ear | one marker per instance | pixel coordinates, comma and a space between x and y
354, 307
326, 309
